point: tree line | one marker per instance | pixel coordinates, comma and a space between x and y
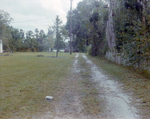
121, 26
17, 40
132, 28
98, 26
88, 26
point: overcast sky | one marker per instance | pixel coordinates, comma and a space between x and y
31, 14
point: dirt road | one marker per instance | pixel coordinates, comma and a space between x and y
118, 103
113, 103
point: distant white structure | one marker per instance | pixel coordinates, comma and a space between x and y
1, 46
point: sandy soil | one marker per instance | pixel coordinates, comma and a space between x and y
70, 106
118, 104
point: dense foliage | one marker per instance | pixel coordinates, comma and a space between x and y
88, 27
131, 21
130, 24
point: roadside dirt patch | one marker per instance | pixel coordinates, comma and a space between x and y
71, 104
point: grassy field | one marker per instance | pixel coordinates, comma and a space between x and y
26, 79
133, 83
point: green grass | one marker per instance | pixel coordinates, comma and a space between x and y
26, 79
132, 81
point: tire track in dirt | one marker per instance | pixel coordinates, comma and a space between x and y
118, 103
70, 106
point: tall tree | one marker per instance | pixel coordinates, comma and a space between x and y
15, 40
37, 33
71, 26
5, 19
84, 25
30, 42
110, 35
42, 37
5, 34
57, 26
50, 38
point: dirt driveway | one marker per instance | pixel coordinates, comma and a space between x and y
90, 94
118, 103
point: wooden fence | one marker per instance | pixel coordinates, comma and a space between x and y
118, 59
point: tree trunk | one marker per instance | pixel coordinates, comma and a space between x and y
110, 35
70, 27
144, 8
57, 38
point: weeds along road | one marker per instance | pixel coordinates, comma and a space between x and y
89, 94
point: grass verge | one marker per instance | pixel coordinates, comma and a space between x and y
26, 79
137, 84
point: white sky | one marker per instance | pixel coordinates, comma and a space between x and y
33, 10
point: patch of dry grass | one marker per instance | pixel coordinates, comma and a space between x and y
134, 82
26, 79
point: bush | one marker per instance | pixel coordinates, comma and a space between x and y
88, 48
